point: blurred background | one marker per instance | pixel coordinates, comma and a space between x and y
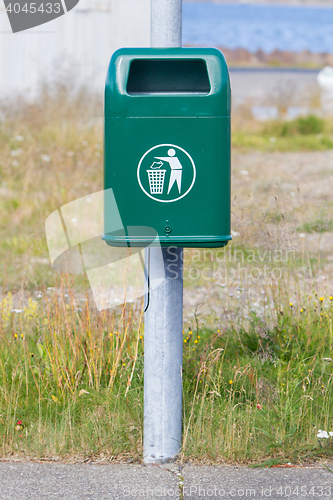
260, 41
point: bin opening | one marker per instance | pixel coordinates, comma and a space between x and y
155, 76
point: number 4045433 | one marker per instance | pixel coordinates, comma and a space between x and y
33, 7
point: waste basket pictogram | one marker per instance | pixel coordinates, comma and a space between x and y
156, 181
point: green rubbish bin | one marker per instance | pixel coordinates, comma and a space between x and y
167, 146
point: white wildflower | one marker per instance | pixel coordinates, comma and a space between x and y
322, 434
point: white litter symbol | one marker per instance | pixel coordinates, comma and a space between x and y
156, 178
168, 176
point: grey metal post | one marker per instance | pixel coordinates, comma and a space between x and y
163, 348
166, 23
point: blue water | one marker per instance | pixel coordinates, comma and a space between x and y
254, 27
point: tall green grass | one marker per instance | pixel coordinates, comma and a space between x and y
72, 381
260, 391
71, 378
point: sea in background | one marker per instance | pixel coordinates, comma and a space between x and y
254, 27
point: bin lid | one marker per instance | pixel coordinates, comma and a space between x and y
157, 82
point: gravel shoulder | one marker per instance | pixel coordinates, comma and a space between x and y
275, 197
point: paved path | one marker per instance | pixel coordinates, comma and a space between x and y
46, 481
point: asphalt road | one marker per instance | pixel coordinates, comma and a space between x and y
48, 481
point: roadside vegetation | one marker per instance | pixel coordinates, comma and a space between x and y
309, 133
72, 382
258, 341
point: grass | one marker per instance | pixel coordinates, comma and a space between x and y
51, 153
62, 370
309, 133
258, 341
265, 388
320, 225
246, 141
72, 382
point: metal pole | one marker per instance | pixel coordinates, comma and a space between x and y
166, 23
163, 354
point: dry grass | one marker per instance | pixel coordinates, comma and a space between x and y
51, 153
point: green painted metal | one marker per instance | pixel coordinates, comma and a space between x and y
167, 146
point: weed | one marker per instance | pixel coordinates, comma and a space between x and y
320, 225
309, 125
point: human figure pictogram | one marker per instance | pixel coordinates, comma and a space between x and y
176, 169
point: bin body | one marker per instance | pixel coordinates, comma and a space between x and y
167, 146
